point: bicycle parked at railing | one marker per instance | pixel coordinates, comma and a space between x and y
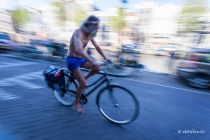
116, 103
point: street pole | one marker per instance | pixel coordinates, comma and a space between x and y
121, 5
40, 12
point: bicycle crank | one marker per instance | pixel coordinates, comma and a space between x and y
83, 99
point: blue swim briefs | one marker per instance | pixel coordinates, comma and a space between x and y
74, 62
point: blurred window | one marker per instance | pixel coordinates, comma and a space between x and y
198, 57
128, 34
123, 33
142, 12
148, 12
201, 39
205, 58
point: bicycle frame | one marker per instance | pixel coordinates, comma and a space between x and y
97, 83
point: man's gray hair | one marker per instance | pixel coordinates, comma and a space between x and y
90, 29
91, 19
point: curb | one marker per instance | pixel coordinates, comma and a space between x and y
36, 58
161, 73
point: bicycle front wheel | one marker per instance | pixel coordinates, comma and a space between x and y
117, 104
66, 97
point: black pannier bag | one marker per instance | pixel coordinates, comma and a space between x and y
54, 75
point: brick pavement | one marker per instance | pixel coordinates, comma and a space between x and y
39, 116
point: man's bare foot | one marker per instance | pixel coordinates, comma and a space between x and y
79, 108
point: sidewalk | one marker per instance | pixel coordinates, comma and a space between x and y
36, 57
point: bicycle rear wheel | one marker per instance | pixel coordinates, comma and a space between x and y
67, 96
117, 104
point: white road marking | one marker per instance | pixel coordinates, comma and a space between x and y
20, 80
4, 95
26, 84
205, 108
161, 123
32, 75
6, 65
166, 86
5, 83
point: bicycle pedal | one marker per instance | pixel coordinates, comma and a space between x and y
62, 93
83, 99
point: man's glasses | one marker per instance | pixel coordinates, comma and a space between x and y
94, 23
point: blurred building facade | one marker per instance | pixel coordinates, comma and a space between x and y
148, 23
7, 26
157, 23
6, 23
198, 38
43, 23
106, 32
130, 34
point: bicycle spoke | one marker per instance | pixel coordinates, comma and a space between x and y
118, 105
113, 99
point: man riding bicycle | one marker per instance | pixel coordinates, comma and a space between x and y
76, 57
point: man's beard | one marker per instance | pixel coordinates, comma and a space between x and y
91, 32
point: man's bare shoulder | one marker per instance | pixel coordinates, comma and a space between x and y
78, 33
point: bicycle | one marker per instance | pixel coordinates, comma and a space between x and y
119, 98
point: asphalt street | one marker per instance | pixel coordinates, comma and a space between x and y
169, 109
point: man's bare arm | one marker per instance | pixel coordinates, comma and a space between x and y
78, 47
98, 49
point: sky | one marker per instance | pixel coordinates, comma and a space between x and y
101, 4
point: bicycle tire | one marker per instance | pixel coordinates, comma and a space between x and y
132, 106
66, 97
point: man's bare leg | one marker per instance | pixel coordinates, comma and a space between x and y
82, 84
94, 70
91, 73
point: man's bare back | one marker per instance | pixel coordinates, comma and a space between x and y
84, 41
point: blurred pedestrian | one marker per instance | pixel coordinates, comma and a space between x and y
171, 62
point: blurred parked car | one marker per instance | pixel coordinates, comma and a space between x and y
54, 47
6, 43
164, 50
130, 48
30, 49
195, 68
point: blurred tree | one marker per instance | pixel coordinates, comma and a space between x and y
191, 13
80, 16
118, 22
59, 11
20, 16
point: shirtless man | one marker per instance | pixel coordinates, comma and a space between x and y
76, 57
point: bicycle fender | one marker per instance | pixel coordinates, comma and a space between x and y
103, 88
